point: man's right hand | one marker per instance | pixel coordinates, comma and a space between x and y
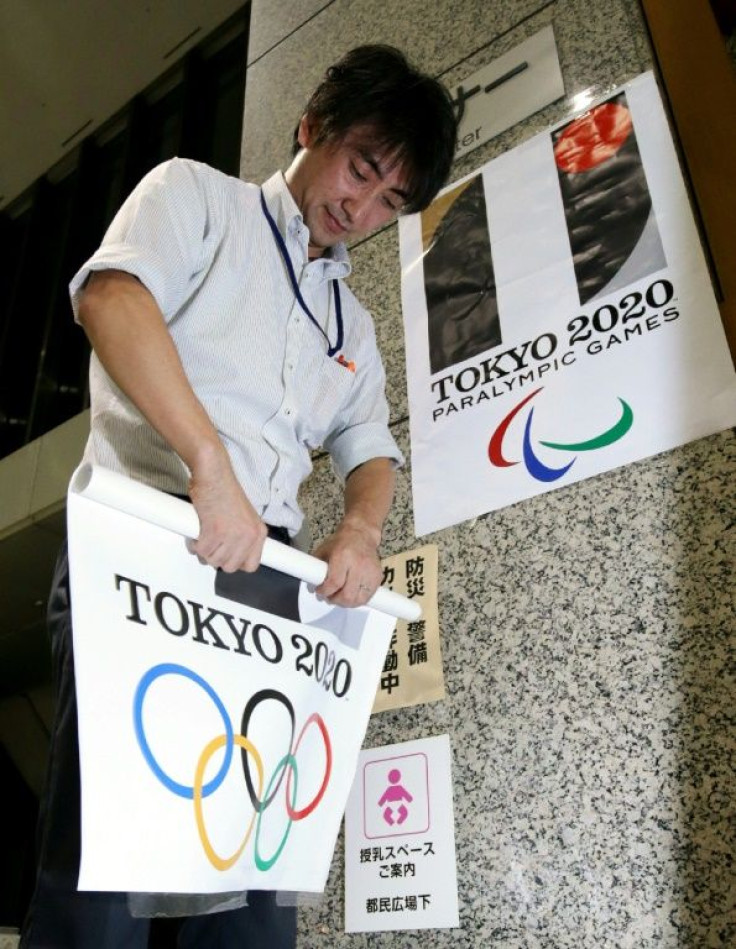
231, 534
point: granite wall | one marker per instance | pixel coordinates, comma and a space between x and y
588, 634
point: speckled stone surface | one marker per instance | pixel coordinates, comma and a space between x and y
272, 20
589, 658
435, 36
587, 634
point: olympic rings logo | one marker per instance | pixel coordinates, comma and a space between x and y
260, 800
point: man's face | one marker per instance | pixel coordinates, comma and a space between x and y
344, 188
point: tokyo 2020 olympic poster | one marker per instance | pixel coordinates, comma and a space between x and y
559, 316
220, 715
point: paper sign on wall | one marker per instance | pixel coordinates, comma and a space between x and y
400, 866
220, 715
507, 90
412, 670
561, 317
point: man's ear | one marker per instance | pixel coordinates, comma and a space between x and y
305, 134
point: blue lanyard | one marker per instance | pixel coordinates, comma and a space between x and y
280, 243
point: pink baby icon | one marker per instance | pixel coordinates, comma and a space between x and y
395, 792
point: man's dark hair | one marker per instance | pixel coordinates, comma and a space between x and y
410, 113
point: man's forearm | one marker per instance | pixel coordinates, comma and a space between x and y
369, 492
353, 566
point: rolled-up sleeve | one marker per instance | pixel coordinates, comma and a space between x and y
360, 431
158, 235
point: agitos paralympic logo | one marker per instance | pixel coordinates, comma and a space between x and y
536, 468
260, 801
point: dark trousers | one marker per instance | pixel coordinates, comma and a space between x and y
60, 916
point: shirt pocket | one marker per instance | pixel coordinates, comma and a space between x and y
327, 390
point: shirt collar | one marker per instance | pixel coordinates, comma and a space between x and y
289, 220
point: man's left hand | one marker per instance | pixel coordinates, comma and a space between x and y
353, 568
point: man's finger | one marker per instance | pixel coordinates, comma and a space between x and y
334, 581
252, 559
338, 572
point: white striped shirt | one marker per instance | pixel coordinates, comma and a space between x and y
199, 241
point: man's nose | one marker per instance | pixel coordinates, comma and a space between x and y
358, 206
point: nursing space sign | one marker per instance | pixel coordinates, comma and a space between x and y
561, 317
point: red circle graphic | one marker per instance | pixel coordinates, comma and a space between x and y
593, 138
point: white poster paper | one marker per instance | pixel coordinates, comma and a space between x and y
220, 715
561, 316
400, 865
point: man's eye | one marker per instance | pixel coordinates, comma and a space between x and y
390, 206
356, 173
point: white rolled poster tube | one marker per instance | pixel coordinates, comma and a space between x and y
123, 493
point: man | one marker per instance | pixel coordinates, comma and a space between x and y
226, 347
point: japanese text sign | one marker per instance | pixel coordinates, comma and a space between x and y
412, 669
400, 865
507, 90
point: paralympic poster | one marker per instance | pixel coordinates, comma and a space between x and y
220, 715
559, 316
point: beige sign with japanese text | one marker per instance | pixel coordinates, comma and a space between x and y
412, 671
